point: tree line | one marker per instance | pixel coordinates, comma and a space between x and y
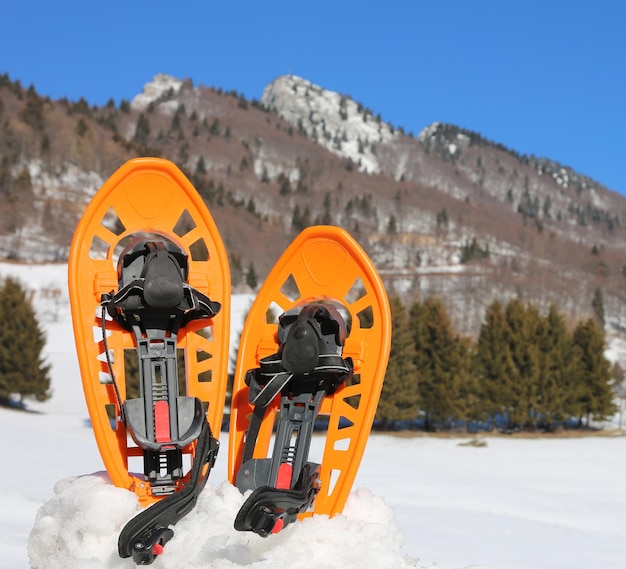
525, 370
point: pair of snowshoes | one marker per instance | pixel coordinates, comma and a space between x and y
150, 296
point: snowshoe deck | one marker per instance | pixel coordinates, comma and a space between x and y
149, 201
323, 267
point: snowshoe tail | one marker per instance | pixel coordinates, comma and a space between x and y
323, 358
149, 280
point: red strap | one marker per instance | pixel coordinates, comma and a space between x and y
283, 479
162, 422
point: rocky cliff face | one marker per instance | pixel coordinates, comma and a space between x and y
336, 122
448, 213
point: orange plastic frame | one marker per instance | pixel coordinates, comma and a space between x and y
146, 195
323, 263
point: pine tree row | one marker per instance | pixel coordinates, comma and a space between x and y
524, 371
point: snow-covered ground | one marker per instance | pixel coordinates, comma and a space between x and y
417, 502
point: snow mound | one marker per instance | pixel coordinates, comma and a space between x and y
79, 526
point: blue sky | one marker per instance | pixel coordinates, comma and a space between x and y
542, 77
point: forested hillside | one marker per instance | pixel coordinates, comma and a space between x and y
445, 214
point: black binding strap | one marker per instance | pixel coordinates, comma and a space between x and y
150, 527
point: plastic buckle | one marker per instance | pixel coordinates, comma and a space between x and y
146, 551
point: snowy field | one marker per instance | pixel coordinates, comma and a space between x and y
418, 501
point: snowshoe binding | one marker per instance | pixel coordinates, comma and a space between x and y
323, 361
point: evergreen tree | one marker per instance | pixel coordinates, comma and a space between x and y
417, 326
33, 113
468, 403
175, 125
399, 396
522, 387
284, 185
142, 131
251, 277
558, 367
16, 196
472, 250
81, 127
442, 217
493, 363
215, 127
236, 268
437, 361
200, 166
619, 385
301, 220
22, 370
597, 304
595, 395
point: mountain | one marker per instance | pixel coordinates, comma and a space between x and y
447, 213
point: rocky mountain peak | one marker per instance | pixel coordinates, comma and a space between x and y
162, 85
338, 123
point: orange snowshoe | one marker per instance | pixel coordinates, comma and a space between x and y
322, 361
150, 297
